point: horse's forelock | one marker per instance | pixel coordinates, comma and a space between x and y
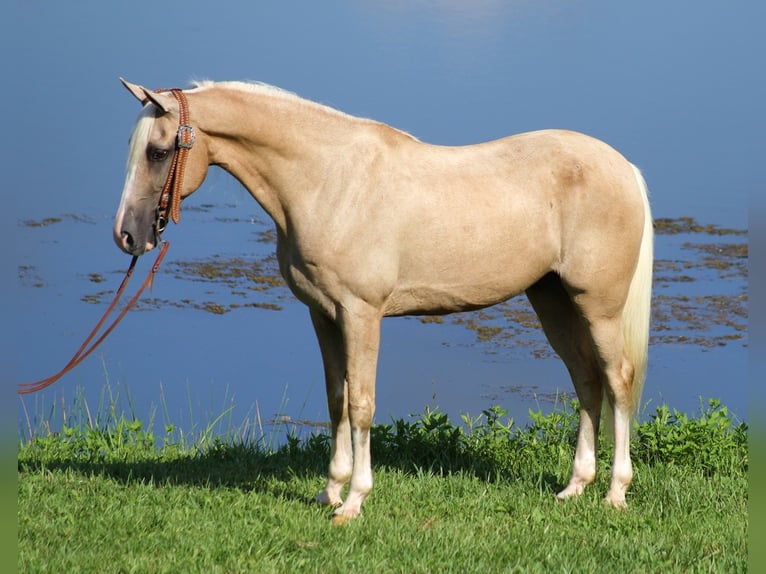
140, 136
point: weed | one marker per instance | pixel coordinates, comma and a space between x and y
710, 442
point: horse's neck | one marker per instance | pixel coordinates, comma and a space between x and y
278, 147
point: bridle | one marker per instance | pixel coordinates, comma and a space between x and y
170, 197
169, 205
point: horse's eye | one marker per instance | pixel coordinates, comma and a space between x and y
156, 154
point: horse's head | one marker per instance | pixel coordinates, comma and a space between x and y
154, 145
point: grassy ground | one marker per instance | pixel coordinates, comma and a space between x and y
473, 497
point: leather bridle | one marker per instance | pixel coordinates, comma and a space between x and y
170, 198
169, 205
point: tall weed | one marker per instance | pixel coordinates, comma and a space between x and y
710, 442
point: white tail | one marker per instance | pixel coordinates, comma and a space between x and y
638, 307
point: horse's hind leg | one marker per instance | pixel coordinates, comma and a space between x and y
333, 356
569, 337
606, 331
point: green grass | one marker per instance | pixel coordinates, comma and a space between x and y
471, 497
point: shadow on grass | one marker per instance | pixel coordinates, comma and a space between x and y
251, 468
490, 448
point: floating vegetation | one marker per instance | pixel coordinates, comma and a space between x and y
215, 308
29, 277
438, 319
708, 321
41, 222
45, 222
676, 225
97, 298
232, 272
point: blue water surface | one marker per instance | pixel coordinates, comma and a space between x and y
674, 86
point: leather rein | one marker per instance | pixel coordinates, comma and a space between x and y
169, 205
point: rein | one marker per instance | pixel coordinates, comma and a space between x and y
170, 201
83, 352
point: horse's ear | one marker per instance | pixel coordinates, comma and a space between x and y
143, 95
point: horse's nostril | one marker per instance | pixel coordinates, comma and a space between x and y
127, 240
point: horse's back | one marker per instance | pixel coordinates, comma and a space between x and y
479, 224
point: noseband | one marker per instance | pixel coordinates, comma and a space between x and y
170, 198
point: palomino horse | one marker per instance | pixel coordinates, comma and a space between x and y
372, 223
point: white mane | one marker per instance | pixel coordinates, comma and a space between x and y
263, 88
251, 86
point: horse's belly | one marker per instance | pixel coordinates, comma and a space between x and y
439, 298
457, 271
430, 302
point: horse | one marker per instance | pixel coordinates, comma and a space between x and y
372, 222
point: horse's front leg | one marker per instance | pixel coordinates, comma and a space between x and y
334, 358
360, 325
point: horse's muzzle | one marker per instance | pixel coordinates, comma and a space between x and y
126, 241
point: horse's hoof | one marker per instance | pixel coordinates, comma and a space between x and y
570, 491
617, 503
341, 519
323, 499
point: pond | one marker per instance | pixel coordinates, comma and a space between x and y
666, 85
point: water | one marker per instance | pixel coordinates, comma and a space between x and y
671, 86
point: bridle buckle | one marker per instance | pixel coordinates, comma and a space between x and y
185, 137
